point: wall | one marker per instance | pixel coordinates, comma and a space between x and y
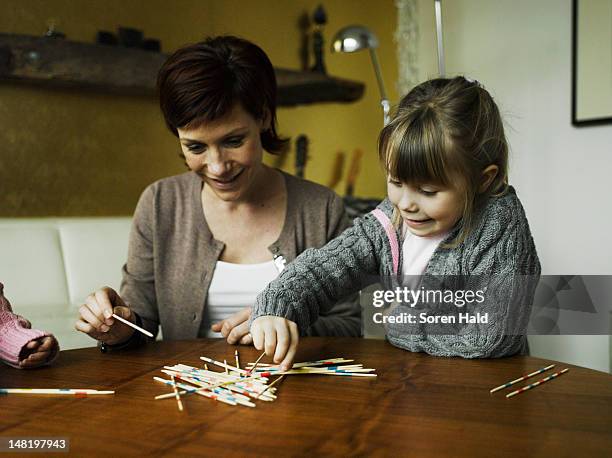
521, 51
76, 153
69, 153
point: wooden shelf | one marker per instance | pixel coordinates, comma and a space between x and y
63, 63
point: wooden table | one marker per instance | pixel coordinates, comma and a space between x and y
418, 405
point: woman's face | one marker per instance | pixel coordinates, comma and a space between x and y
225, 153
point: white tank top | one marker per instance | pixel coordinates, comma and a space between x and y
232, 288
416, 253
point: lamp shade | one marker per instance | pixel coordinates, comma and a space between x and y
354, 38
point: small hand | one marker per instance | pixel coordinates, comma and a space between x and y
38, 352
95, 317
278, 337
235, 328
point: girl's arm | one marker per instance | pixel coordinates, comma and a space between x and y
343, 318
320, 277
310, 284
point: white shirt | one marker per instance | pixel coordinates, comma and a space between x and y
416, 253
234, 287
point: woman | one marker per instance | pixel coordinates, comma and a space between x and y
204, 244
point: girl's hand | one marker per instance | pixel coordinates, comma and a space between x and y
278, 337
95, 317
38, 352
235, 328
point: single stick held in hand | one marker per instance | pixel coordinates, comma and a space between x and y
129, 323
237, 360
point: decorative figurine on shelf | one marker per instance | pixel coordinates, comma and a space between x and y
52, 31
320, 19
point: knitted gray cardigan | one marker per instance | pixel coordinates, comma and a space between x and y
498, 252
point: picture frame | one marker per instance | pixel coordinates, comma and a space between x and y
591, 62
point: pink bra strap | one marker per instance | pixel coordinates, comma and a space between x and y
391, 235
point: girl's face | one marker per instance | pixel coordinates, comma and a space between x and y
225, 153
426, 209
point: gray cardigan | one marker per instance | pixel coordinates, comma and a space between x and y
498, 252
172, 253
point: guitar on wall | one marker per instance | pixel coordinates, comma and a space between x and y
356, 206
336, 173
301, 155
353, 171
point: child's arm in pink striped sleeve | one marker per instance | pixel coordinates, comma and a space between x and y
18, 341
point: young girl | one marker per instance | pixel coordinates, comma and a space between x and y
20, 346
450, 214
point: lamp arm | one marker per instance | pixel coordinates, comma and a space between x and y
381, 86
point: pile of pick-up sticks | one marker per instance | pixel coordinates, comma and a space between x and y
236, 386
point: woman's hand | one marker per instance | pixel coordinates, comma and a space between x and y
95, 317
278, 337
235, 328
39, 351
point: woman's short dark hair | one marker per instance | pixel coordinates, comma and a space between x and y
201, 83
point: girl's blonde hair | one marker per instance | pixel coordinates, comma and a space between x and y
446, 132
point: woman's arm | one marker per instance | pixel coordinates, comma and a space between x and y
310, 284
136, 303
138, 284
